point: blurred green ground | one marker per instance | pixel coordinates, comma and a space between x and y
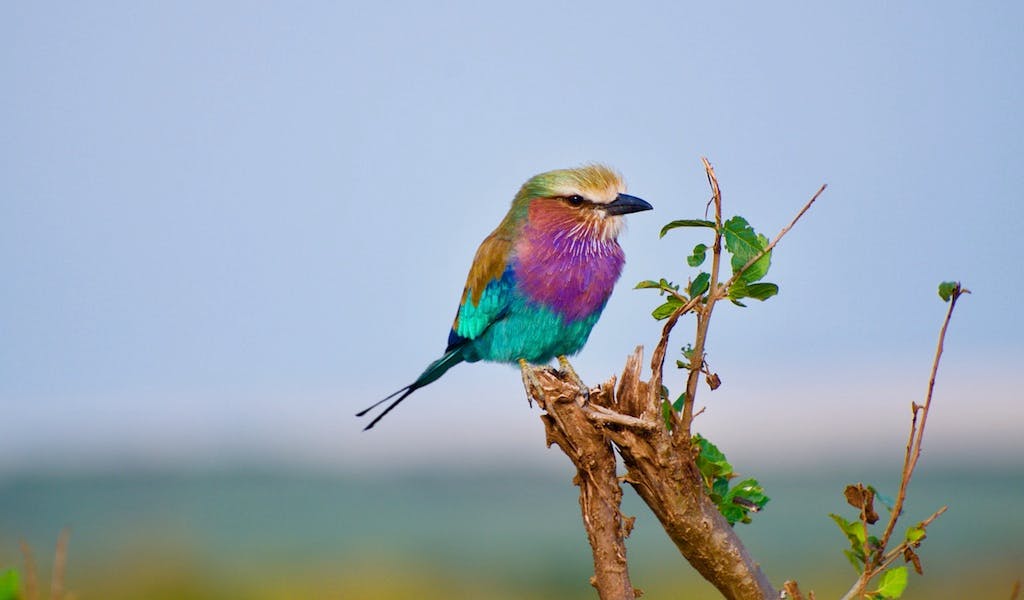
275, 534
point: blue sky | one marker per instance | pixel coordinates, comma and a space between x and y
226, 227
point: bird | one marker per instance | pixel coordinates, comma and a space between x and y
541, 279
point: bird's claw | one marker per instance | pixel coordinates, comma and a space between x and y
584, 389
533, 385
530, 381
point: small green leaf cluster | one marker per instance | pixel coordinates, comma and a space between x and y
949, 290
742, 244
864, 547
735, 502
674, 300
10, 585
858, 537
687, 351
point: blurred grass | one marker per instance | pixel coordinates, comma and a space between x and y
270, 534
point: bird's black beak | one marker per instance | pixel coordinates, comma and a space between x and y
625, 204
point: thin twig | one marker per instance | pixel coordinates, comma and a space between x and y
897, 552
914, 449
658, 358
778, 238
704, 314
60, 560
876, 562
31, 572
606, 416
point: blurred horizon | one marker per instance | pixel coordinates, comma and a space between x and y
285, 533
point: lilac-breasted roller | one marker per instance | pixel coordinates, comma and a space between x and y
540, 281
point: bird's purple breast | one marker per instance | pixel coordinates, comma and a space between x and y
573, 275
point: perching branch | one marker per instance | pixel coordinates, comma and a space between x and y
667, 481
581, 436
656, 448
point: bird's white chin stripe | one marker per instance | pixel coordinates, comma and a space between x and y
607, 227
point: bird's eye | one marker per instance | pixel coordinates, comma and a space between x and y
575, 199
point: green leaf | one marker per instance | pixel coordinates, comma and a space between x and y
854, 531
855, 560
758, 291
699, 254
736, 503
762, 291
680, 401
743, 243
700, 284
686, 223
10, 585
733, 514
663, 284
663, 311
915, 534
749, 490
947, 289
893, 582
666, 414
720, 488
710, 460
745, 497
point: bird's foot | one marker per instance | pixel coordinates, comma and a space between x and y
569, 372
530, 381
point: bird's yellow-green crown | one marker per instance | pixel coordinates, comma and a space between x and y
595, 182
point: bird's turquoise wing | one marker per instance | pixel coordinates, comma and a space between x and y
486, 297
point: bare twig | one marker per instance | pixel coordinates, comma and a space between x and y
59, 564
610, 417
777, 239
31, 572
877, 561
715, 293
898, 551
1015, 593
658, 358
704, 314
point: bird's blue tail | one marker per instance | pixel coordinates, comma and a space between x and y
436, 369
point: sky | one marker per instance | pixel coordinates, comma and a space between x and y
226, 227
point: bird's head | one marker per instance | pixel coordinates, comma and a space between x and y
588, 201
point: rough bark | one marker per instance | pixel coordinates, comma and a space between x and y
660, 467
586, 444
